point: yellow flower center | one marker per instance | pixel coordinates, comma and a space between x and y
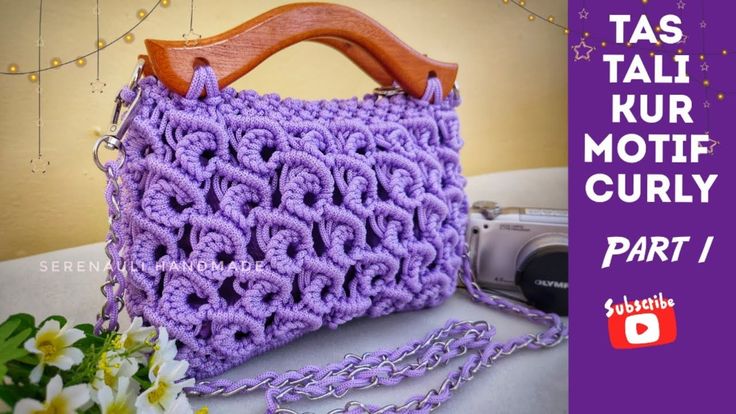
56, 406
119, 407
155, 396
48, 349
116, 343
107, 371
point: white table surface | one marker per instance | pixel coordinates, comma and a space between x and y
528, 382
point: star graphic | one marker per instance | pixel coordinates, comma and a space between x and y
706, 104
587, 50
681, 5
684, 39
583, 14
191, 38
704, 66
97, 86
712, 145
703, 24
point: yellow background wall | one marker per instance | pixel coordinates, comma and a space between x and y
513, 80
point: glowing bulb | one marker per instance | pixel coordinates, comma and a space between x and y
586, 34
505, 1
566, 31
603, 43
80, 62
651, 54
679, 51
522, 3
129, 38
165, 3
658, 43
56, 62
645, 1
551, 19
724, 52
141, 14
531, 17
706, 83
721, 96
32, 77
628, 44
12, 68
657, 29
101, 43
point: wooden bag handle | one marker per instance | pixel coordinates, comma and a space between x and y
234, 53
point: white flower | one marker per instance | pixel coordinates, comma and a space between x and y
180, 406
120, 402
164, 350
110, 367
135, 338
59, 400
162, 394
53, 347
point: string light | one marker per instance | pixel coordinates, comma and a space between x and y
531, 17
55, 62
33, 77
724, 52
566, 31
603, 43
13, 69
141, 14
586, 34
522, 3
706, 83
80, 62
129, 38
702, 57
721, 96
551, 19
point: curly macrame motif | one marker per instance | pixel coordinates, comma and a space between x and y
344, 208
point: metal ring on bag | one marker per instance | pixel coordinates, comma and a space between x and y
110, 142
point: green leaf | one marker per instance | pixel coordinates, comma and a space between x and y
11, 339
12, 393
7, 328
21, 321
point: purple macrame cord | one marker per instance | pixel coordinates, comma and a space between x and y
354, 207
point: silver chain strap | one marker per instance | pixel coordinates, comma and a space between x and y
113, 289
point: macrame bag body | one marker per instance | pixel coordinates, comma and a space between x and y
248, 220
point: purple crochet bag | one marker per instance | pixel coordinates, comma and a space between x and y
240, 222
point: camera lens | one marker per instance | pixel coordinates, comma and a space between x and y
542, 272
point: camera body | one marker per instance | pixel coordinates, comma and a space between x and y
521, 251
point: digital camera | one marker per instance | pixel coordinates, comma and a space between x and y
520, 252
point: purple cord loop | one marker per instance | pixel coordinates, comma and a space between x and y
127, 95
433, 92
204, 79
